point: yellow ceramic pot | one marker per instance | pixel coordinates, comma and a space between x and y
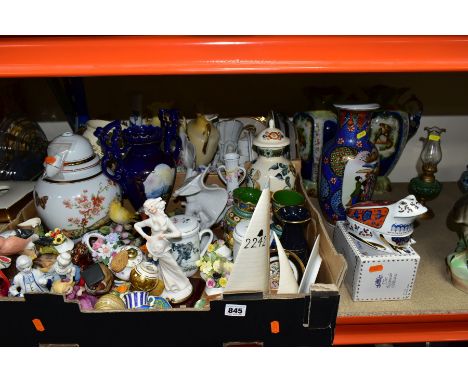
109, 302
145, 277
204, 137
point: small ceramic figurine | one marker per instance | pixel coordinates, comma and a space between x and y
65, 274
28, 280
119, 214
384, 225
206, 202
177, 286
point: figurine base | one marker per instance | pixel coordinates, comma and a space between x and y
179, 296
458, 282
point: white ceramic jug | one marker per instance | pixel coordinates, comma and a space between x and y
186, 249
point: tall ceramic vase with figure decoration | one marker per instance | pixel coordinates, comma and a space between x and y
349, 163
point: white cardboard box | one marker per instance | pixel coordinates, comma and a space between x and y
374, 275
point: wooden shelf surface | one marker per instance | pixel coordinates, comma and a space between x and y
167, 55
436, 312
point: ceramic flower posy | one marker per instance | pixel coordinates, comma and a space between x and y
57, 235
214, 268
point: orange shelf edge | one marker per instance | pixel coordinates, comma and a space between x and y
401, 329
166, 55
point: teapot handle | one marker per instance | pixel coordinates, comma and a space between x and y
220, 174
111, 150
414, 115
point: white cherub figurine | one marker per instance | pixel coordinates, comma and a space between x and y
65, 274
28, 280
177, 286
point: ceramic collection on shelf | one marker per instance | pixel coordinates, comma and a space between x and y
349, 163
339, 161
140, 167
74, 184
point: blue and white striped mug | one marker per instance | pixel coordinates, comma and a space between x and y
138, 299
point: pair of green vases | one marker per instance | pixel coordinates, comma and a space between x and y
245, 200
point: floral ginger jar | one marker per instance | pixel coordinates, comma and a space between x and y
350, 163
271, 168
73, 194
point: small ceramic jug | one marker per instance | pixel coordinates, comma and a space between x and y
232, 170
205, 137
186, 250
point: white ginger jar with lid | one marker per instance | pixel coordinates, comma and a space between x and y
73, 194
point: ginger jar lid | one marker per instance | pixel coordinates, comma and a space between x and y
186, 224
271, 137
78, 148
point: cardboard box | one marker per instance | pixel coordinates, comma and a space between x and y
306, 319
375, 275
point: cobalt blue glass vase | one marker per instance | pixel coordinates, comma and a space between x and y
133, 158
349, 163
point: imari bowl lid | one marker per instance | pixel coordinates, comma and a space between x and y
185, 223
271, 138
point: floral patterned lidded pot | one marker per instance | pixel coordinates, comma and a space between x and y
73, 193
350, 163
271, 167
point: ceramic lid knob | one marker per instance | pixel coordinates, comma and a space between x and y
78, 148
271, 137
185, 224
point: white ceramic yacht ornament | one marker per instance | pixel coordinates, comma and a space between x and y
177, 286
251, 269
206, 202
312, 268
287, 281
384, 225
